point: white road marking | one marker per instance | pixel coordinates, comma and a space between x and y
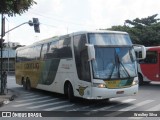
129, 108
155, 108
33, 99
39, 106
108, 107
30, 96
59, 107
24, 94
25, 104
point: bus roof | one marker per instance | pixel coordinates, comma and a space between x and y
71, 34
98, 31
153, 48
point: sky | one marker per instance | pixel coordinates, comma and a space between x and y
59, 17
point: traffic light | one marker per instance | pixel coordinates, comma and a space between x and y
36, 25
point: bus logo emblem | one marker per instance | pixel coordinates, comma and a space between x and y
81, 90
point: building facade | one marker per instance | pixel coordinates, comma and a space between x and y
9, 59
8, 56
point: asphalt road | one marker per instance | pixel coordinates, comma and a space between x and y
145, 103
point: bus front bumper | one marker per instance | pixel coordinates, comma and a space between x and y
104, 93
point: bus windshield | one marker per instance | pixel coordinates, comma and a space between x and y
109, 39
114, 63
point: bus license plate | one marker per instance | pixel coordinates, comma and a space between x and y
113, 84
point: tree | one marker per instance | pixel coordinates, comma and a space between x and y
145, 31
150, 20
13, 7
132, 32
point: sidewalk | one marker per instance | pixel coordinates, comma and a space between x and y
9, 96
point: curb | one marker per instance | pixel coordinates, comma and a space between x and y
10, 95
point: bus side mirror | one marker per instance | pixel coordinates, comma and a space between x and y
91, 52
140, 51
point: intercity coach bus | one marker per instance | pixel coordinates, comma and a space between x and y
89, 64
149, 68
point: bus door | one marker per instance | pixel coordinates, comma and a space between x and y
150, 66
85, 77
83, 82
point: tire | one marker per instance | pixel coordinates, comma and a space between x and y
141, 82
66, 91
28, 85
24, 84
70, 93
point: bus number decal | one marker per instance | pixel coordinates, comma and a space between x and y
66, 66
31, 66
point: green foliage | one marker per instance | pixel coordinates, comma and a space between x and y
145, 31
144, 21
13, 7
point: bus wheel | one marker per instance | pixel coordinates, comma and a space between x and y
140, 79
70, 93
28, 84
24, 84
66, 90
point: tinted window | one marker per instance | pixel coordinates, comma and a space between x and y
64, 49
81, 57
52, 52
60, 49
44, 51
109, 39
37, 51
151, 58
30, 54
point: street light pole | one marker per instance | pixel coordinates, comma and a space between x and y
16, 27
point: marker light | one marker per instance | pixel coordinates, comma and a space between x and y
135, 82
99, 85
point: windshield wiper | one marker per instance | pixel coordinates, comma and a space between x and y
115, 65
120, 63
111, 71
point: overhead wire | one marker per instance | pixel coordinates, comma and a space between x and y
60, 20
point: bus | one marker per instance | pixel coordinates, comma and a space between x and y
86, 64
149, 68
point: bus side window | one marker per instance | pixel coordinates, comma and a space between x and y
37, 52
151, 58
52, 52
31, 51
64, 49
43, 51
47, 54
67, 47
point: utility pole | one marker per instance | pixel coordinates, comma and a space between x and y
35, 23
1, 45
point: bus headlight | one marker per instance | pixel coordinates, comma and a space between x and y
135, 82
99, 85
